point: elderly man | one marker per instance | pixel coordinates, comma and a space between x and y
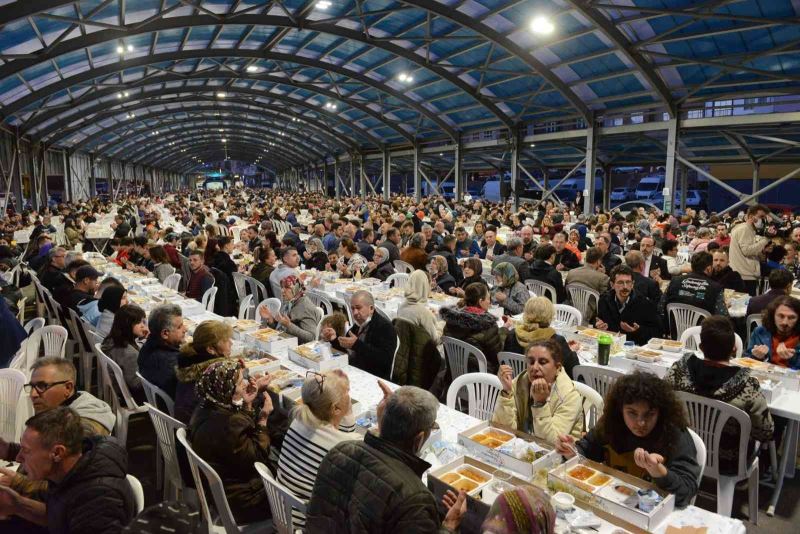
641, 284
513, 255
623, 310
375, 485
653, 267
200, 278
747, 245
492, 247
371, 341
52, 274
432, 239
591, 275
158, 357
88, 491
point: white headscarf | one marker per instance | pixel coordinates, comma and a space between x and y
418, 288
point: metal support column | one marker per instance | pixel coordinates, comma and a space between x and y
352, 176
591, 157
514, 168
387, 174
417, 176
362, 177
684, 185
458, 154
336, 183
67, 176
669, 173
756, 180
16, 175
607, 188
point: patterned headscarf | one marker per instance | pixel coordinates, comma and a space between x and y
524, 509
218, 383
507, 273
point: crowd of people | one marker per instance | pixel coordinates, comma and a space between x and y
71, 477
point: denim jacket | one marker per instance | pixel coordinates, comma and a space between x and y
762, 336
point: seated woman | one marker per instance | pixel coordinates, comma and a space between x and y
472, 268
337, 321
314, 256
161, 267
297, 316
122, 342
264, 263
535, 326
211, 342
380, 267
542, 401
350, 261
229, 433
471, 321
414, 309
112, 298
322, 421
522, 510
440, 278
643, 432
508, 291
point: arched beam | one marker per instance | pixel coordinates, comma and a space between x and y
244, 146
172, 23
210, 154
90, 116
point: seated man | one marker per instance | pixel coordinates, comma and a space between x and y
83, 291
466, 247
777, 340
592, 275
641, 284
623, 310
375, 485
200, 278
565, 259
88, 490
371, 341
695, 289
610, 260
724, 275
158, 357
780, 284
712, 377
52, 275
543, 269
492, 247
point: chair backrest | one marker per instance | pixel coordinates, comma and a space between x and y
208, 298
707, 417
483, 389
399, 280
700, 454
52, 338
542, 289
581, 296
683, 316
202, 471
245, 305
592, 404
156, 396
396, 349
517, 362
257, 289
138, 492
114, 379
751, 322
11, 384
458, 354
172, 281
691, 340
569, 315
598, 378
281, 501
34, 324
272, 304
166, 426
403, 267
240, 283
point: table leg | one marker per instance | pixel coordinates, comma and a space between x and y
788, 453
790, 465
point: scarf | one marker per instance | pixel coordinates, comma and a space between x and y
527, 333
217, 384
522, 509
418, 288
507, 273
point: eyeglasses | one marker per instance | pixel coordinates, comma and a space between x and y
318, 378
41, 387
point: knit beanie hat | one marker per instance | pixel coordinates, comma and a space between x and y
524, 509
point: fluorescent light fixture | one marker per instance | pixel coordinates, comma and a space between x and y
120, 49
224, 140
130, 48
542, 25
330, 105
323, 4
119, 95
405, 77
252, 68
221, 94
533, 145
125, 93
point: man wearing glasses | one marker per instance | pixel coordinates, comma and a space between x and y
623, 310
52, 274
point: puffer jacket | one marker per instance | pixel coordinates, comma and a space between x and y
94, 497
371, 486
480, 330
733, 385
417, 360
762, 336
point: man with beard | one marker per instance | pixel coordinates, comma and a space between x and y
777, 340
528, 244
724, 275
621, 309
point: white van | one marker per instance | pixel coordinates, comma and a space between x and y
649, 187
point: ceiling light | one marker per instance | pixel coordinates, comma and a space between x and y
533, 145
252, 68
222, 129
125, 93
224, 140
323, 4
130, 48
542, 25
119, 95
405, 77
221, 94
441, 154
120, 50
330, 105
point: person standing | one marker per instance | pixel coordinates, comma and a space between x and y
747, 245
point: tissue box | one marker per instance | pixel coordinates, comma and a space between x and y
489, 451
307, 356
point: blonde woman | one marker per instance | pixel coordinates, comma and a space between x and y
322, 421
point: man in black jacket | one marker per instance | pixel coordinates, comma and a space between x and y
491, 248
780, 285
87, 491
727, 277
371, 341
447, 250
641, 284
565, 259
622, 310
696, 289
158, 357
52, 274
543, 270
609, 260
655, 267
84, 289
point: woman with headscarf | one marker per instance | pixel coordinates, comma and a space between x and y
441, 279
315, 256
508, 291
230, 433
472, 269
415, 309
111, 300
521, 510
298, 316
381, 266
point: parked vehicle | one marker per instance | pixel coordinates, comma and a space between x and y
649, 187
621, 194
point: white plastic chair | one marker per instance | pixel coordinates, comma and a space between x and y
165, 427
707, 418
34, 324
684, 316
458, 354
138, 492
156, 396
517, 362
592, 404
543, 289
394, 357
398, 280
172, 281
240, 283
403, 267
201, 471
568, 314
320, 299
691, 340
11, 384
596, 377
281, 501
208, 298
483, 390
53, 338
245, 305
581, 296
700, 457
272, 304
113, 381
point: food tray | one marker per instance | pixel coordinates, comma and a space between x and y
468, 478
644, 355
501, 454
628, 365
667, 345
272, 341
308, 356
245, 325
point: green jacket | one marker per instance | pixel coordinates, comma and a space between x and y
417, 361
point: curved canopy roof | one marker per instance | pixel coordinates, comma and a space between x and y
293, 81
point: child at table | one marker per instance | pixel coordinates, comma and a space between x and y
643, 432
